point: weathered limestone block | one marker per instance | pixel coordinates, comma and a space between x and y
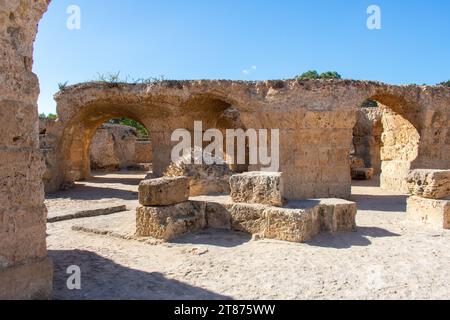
432, 184
362, 173
285, 224
163, 191
143, 152
435, 213
204, 179
25, 273
217, 216
170, 222
258, 187
294, 225
337, 215
113, 147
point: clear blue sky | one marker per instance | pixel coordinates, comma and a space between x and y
242, 39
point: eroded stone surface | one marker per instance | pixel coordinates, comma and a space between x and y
316, 121
204, 179
298, 221
433, 184
113, 147
258, 187
432, 212
337, 215
170, 222
163, 191
23, 275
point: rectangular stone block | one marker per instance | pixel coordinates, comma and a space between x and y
432, 212
432, 184
285, 224
164, 191
337, 215
258, 187
169, 222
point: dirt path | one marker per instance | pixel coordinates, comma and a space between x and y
386, 259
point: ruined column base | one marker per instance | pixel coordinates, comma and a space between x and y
31, 281
435, 213
297, 221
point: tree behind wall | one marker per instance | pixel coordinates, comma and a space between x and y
142, 131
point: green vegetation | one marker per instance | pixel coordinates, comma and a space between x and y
141, 130
446, 83
111, 78
114, 79
49, 116
313, 74
62, 85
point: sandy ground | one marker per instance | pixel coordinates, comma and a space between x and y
387, 258
103, 190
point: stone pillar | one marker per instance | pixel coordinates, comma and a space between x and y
162, 150
25, 270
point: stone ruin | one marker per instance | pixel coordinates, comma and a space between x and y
203, 179
113, 147
256, 206
316, 121
430, 200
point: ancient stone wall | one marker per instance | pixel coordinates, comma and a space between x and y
143, 152
113, 148
367, 137
316, 120
25, 270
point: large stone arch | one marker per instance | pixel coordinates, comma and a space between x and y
317, 112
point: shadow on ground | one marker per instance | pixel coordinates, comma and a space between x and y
346, 240
84, 192
389, 203
102, 278
214, 237
105, 178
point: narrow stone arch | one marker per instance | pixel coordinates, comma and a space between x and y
76, 138
391, 133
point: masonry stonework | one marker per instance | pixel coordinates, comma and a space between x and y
316, 120
25, 270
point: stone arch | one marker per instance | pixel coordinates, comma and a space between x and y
219, 112
391, 133
78, 134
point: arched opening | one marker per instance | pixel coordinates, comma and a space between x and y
101, 137
121, 145
205, 112
385, 142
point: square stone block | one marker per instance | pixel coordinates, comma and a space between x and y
337, 215
435, 213
217, 216
258, 188
432, 184
170, 222
164, 191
